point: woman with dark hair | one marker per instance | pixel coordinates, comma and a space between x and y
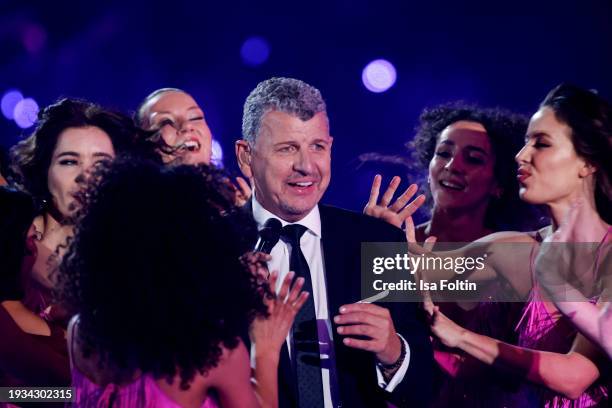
154, 273
71, 137
467, 153
565, 159
179, 132
180, 124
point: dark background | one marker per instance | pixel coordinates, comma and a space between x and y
493, 53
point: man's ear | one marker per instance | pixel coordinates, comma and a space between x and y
243, 156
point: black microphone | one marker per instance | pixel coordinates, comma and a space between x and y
268, 236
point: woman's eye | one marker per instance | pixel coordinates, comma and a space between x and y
475, 160
166, 122
443, 154
68, 162
102, 163
197, 118
539, 145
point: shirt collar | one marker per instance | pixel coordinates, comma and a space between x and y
312, 220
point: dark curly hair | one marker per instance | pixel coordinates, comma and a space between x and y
154, 272
590, 118
16, 214
506, 131
31, 157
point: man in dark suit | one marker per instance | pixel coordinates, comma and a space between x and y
367, 354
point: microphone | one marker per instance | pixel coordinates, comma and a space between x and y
268, 236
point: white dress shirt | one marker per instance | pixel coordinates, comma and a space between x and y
310, 243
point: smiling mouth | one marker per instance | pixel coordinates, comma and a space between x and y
190, 146
452, 186
302, 184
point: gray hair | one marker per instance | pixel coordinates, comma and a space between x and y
285, 95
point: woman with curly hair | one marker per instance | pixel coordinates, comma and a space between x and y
71, 136
154, 273
467, 153
565, 159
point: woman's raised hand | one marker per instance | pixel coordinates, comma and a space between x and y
397, 213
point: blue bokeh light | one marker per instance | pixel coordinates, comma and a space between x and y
25, 113
9, 100
379, 75
255, 51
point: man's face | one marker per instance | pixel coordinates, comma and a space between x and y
289, 163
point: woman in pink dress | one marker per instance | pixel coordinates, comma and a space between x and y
467, 153
565, 159
163, 300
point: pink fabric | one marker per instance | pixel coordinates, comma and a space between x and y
142, 393
540, 329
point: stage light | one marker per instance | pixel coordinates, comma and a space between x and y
217, 154
25, 113
9, 100
255, 51
379, 75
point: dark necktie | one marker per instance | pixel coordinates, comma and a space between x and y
305, 341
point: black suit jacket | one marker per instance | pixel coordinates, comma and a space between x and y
342, 234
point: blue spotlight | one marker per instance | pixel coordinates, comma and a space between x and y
9, 100
25, 113
255, 51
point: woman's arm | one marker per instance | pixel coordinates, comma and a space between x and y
504, 255
30, 357
232, 379
269, 334
568, 374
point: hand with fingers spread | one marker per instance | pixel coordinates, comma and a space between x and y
398, 212
270, 333
374, 326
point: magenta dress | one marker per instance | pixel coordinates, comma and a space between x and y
142, 393
540, 329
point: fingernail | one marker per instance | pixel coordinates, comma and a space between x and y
340, 329
342, 309
346, 341
337, 319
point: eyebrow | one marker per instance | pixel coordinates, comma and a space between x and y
75, 154
168, 112
536, 134
479, 149
470, 147
321, 140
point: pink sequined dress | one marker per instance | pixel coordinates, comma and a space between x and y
142, 393
542, 327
